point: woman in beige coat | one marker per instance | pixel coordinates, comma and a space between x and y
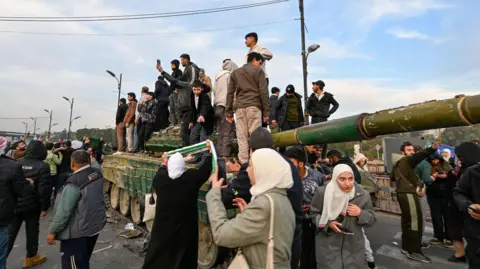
269, 174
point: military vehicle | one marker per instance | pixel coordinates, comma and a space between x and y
129, 177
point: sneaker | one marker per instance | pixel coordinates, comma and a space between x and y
425, 245
448, 244
371, 265
404, 252
435, 241
419, 257
35, 260
454, 258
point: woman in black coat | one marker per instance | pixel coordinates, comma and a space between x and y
468, 154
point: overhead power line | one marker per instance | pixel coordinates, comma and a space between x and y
145, 34
27, 118
140, 16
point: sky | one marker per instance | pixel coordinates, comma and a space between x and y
374, 54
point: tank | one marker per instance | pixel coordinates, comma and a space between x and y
129, 177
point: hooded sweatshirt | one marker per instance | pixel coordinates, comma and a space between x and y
34, 167
222, 79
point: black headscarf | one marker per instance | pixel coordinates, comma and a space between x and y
468, 153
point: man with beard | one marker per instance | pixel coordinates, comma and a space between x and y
467, 198
184, 85
404, 174
34, 202
335, 158
173, 94
311, 180
17, 151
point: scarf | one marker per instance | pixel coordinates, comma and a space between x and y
449, 154
271, 171
335, 201
176, 166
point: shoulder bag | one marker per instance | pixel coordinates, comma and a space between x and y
150, 204
239, 262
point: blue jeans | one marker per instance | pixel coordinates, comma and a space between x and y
3, 247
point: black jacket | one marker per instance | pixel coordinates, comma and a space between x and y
467, 192
34, 168
176, 73
64, 167
274, 104
204, 109
122, 110
240, 187
321, 108
349, 162
12, 184
161, 91
184, 85
281, 113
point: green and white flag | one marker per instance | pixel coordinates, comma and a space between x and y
199, 147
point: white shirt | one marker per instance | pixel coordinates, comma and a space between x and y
319, 96
196, 102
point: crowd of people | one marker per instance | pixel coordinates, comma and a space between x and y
198, 105
35, 176
297, 207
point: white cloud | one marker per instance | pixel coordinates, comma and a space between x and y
413, 34
331, 49
380, 9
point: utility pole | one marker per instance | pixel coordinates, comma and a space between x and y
119, 81
70, 123
34, 125
50, 112
304, 55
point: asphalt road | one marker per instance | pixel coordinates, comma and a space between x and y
113, 251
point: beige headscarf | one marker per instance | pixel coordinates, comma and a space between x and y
335, 201
358, 157
271, 171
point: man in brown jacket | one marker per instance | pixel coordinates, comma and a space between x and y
129, 120
249, 87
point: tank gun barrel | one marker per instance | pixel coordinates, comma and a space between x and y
458, 111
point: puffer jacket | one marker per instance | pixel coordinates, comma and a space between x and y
12, 185
184, 85
36, 169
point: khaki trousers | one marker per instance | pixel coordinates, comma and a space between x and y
247, 120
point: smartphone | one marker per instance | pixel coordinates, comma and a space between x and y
474, 210
222, 169
158, 62
346, 231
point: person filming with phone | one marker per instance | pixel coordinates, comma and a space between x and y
339, 211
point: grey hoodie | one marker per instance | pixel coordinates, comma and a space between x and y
222, 79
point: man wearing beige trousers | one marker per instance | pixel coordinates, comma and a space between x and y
248, 86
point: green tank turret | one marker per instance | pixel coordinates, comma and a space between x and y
129, 177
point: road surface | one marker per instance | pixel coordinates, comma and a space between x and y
113, 251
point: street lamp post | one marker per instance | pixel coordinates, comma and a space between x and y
50, 112
34, 125
119, 81
311, 49
26, 127
71, 111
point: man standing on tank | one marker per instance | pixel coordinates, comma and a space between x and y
176, 73
318, 106
184, 85
249, 86
289, 112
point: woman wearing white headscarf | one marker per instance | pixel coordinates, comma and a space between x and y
174, 237
341, 204
271, 175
